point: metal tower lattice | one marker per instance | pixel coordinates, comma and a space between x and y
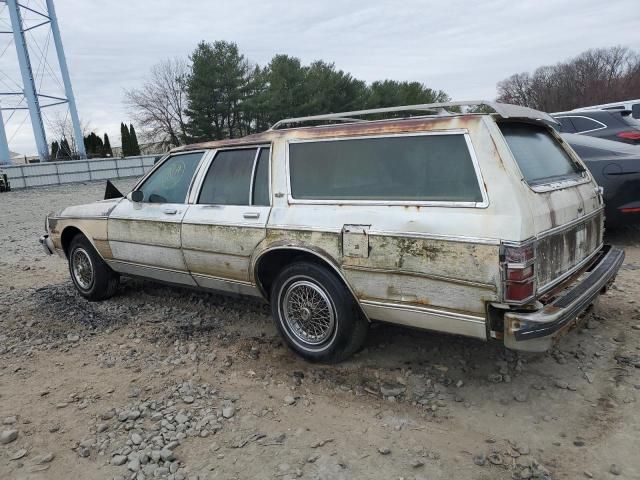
30, 91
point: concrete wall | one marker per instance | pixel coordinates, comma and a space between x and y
56, 173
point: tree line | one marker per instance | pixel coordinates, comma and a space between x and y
597, 76
219, 93
96, 146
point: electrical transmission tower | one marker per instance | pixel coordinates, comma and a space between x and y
41, 15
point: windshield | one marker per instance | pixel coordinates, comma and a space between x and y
539, 155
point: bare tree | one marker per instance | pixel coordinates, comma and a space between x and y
596, 76
158, 106
60, 126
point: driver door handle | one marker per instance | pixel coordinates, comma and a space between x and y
251, 215
170, 211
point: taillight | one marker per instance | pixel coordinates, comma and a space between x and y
630, 135
518, 266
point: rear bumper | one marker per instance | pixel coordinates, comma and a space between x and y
47, 244
536, 331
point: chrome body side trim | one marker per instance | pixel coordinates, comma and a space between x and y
224, 285
155, 273
441, 278
427, 318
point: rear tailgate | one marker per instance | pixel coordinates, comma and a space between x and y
565, 204
559, 251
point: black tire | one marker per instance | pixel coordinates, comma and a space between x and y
345, 334
102, 282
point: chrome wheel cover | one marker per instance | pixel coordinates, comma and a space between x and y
82, 268
308, 312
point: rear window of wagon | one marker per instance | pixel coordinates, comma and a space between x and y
541, 158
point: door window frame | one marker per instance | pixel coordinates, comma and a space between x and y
162, 160
426, 203
207, 162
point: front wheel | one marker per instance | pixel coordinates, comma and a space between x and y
92, 277
316, 314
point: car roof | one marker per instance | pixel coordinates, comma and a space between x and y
349, 123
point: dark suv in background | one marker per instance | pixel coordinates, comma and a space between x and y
618, 125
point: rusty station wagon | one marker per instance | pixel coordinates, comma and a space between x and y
479, 224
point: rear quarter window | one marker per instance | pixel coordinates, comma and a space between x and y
428, 168
540, 156
584, 124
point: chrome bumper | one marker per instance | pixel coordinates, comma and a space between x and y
536, 331
47, 244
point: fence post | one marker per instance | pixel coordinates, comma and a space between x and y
58, 173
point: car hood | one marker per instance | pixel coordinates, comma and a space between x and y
101, 208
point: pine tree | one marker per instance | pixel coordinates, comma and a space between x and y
126, 141
65, 149
98, 146
87, 144
135, 147
55, 147
107, 146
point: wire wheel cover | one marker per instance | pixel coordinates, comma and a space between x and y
82, 268
308, 312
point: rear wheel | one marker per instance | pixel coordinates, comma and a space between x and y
316, 314
92, 277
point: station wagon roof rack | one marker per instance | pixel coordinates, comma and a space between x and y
504, 110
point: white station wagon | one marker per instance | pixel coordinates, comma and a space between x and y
486, 225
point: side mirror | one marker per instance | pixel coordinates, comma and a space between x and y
137, 196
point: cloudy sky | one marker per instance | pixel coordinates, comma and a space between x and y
461, 47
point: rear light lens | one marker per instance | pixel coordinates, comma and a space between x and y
519, 292
521, 254
631, 135
519, 284
519, 274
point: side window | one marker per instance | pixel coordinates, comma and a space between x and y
567, 125
584, 124
261, 179
228, 180
401, 168
170, 182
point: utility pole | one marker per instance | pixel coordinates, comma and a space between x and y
5, 156
30, 91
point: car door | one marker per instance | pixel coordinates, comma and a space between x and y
227, 218
144, 236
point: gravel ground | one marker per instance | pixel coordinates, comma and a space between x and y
162, 382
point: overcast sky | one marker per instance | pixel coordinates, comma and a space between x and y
461, 47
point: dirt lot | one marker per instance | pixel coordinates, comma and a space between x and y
162, 382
